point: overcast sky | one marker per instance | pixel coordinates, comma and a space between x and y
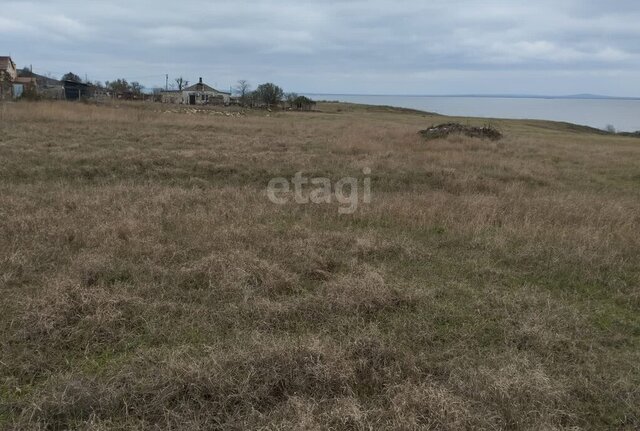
338, 46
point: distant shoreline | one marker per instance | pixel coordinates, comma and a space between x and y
601, 112
485, 96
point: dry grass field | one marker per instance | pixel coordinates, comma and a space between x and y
148, 283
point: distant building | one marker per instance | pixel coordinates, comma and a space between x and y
8, 74
16, 83
23, 85
44, 86
74, 90
197, 94
42, 81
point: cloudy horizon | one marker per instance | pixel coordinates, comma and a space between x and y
337, 46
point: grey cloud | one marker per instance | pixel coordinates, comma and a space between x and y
377, 46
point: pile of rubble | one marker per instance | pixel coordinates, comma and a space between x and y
192, 111
444, 130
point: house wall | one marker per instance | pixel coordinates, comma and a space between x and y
8, 73
21, 85
5, 88
11, 72
205, 97
201, 97
171, 97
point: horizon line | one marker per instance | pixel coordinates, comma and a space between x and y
586, 96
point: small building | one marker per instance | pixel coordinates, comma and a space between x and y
74, 90
45, 86
202, 94
8, 74
24, 85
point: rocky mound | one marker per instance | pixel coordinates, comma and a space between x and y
444, 130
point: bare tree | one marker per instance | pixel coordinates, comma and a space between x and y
181, 83
291, 99
242, 89
136, 88
119, 86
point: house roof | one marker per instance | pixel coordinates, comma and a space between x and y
199, 87
203, 87
42, 80
69, 83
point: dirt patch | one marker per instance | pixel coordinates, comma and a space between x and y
444, 130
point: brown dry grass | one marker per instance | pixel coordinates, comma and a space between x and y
147, 282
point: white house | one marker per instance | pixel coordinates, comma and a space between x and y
197, 94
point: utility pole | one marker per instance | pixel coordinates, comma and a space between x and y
166, 85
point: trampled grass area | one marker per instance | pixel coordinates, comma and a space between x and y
148, 282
